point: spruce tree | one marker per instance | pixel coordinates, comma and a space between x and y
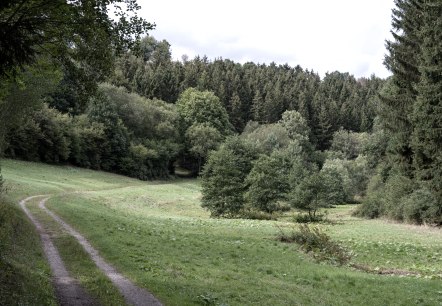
398, 99
427, 110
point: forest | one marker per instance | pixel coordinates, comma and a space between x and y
262, 137
128, 177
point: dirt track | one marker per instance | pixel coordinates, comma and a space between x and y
68, 290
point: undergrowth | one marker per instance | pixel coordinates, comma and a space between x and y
317, 243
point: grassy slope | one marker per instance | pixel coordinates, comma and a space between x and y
25, 277
159, 236
24, 273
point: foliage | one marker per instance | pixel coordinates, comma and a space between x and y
223, 178
317, 243
45, 136
198, 107
426, 115
421, 207
71, 32
296, 126
202, 115
340, 168
318, 190
254, 214
87, 142
202, 139
387, 198
120, 132
20, 97
267, 182
376, 146
353, 173
258, 92
267, 137
350, 144
407, 145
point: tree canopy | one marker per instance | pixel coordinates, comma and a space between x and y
78, 33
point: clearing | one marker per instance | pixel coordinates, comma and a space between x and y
158, 236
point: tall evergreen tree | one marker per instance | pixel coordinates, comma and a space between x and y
402, 60
427, 111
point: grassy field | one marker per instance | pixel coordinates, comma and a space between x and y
157, 234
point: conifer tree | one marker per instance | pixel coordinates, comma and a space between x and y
398, 99
427, 111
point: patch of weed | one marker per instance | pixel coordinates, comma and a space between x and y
316, 242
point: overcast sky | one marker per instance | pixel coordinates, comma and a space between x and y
323, 35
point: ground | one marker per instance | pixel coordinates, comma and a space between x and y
157, 235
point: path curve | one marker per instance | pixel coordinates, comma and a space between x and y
133, 294
67, 289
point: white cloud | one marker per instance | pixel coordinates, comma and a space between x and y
323, 35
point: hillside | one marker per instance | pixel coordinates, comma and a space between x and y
157, 234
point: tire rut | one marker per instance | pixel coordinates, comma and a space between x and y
67, 289
132, 294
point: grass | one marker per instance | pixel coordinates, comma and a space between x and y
77, 261
383, 244
24, 272
157, 234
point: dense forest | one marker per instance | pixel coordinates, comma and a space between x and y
263, 137
137, 123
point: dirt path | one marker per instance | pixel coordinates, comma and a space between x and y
67, 289
133, 294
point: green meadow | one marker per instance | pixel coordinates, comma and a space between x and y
157, 234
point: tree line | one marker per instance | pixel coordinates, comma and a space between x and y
252, 91
263, 137
135, 124
408, 183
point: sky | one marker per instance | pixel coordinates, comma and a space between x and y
320, 35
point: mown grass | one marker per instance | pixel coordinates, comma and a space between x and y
157, 234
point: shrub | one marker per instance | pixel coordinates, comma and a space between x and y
421, 207
317, 243
257, 215
371, 207
397, 188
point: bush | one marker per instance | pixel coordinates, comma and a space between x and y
421, 207
317, 243
370, 208
257, 215
397, 188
